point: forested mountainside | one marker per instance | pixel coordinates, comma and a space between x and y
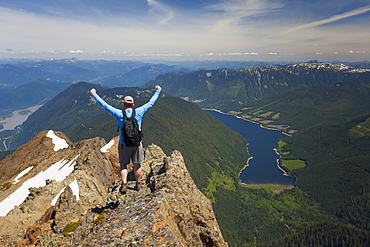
299, 109
230, 89
324, 234
29, 94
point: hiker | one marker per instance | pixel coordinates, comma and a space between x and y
126, 152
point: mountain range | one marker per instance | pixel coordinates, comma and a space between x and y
110, 73
114, 73
323, 106
241, 83
233, 89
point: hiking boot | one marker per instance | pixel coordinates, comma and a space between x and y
138, 186
123, 189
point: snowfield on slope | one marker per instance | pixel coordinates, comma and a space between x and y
58, 171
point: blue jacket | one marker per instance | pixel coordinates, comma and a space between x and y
117, 113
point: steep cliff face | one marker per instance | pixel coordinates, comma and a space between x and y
55, 192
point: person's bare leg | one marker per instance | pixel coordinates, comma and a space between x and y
123, 173
138, 173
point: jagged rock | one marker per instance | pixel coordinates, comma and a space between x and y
92, 172
168, 211
65, 209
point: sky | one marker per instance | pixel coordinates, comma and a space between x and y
260, 30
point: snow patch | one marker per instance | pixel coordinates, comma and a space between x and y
24, 172
75, 191
107, 147
59, 143
58, 171
54, 201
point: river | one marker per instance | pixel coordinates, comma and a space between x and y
263, 167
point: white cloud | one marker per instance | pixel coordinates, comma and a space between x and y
237, 9
330, 19
77, 51
357, 52
165, 13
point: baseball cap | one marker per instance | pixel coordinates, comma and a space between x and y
128, 99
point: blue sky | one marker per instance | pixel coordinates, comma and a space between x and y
265, 30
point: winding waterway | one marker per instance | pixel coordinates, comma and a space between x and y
262, 168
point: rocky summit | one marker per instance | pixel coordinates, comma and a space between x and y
57, 193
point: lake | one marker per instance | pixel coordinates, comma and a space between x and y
18, 117
262, 168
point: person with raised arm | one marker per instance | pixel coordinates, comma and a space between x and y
128, 150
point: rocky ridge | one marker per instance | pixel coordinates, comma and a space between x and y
84, 207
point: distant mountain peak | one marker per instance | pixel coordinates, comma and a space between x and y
327, 66
312, 65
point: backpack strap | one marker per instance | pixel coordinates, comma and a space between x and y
125, 118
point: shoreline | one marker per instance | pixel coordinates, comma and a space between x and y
288, 186
278, 164
245, 167
261, 125
251, 157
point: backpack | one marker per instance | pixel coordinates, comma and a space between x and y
131, 134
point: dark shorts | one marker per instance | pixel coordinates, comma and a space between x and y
126, 154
